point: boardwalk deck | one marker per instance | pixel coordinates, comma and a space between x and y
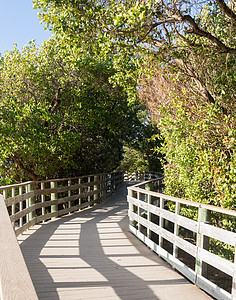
92, 255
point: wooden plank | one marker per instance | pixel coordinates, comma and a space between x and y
110, 264
219, 234
212, 288
186, 246
6, 187
216, 261
19, 198
22, 213
15, 281
181, 267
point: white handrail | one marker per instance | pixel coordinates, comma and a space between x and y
149, 215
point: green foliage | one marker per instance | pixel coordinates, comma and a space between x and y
133, 160
59, 114
186, 53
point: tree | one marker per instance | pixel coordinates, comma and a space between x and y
185, 51
59, 114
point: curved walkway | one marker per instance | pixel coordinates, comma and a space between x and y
92, 255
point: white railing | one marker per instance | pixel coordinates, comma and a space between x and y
32, 202
179, 231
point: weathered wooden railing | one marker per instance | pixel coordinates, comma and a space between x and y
141, 175
26, 204
15, 281
30, 203
166, 225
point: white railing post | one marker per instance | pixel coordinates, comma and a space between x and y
176, 229
161, 221
79, 190
149, 216
13, 205
27, 203
42, 197
139, 212
20, 206
69, 193
31, 201
233, 292
202, 241
54, 196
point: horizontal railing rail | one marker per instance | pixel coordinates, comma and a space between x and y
32, 202
15, 281
180, 231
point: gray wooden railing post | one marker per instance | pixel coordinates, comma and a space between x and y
54, 196
148, 187
79, 191
204, 216
31, 202
69, 193
89, 189
95, 197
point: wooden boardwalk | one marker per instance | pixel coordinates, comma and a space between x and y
92, 255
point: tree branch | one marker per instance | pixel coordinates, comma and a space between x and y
57, 101
227, 10
17, 159
200, 32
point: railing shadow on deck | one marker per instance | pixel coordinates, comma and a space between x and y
91, 251
30, 203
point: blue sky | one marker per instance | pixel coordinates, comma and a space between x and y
19, 24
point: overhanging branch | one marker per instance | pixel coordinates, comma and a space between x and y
227, 10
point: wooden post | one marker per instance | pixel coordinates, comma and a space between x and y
176, 229
161, 221
69, 193
89, 189
31, 202
54, 196
204, 216
13, 205
139, 212
112, 182
148, 217
20, 206
233, 292
79, 191
148, 187
42, 198
95, 197
131, 208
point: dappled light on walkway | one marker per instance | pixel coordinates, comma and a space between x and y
92, 255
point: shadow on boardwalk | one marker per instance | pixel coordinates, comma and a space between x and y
91, 255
